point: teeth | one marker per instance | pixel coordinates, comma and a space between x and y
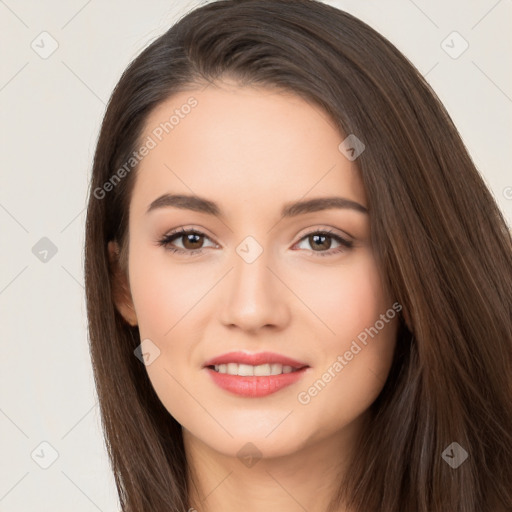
247, 370
231, 368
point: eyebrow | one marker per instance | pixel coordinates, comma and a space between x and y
202, 205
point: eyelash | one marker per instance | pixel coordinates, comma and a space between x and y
169, 238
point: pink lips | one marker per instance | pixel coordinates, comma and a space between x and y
254, 386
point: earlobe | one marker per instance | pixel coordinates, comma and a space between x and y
121, 294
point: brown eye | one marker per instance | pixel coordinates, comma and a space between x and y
192, 241
320, 241
185, 242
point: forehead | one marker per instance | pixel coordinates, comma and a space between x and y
245, 146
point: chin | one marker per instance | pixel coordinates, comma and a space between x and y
252, 435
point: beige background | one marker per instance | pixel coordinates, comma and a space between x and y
51, 108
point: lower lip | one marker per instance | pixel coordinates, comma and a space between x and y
255, 386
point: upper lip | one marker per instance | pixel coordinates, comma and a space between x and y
254, 359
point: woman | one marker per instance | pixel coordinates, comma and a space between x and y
299, 289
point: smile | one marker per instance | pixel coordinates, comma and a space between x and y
254, 375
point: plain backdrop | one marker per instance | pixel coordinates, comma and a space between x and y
51, 105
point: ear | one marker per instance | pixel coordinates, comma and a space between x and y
121, 294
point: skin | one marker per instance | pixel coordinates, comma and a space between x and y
251, 150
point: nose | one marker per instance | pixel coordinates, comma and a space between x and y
254, 297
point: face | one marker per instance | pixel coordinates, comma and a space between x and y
239, 270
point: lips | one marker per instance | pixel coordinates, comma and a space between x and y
254, 385
255, 359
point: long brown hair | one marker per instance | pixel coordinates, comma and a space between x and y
442, 244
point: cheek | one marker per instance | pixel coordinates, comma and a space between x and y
168, 299
165, 297
347, 299
349, 382
356, 352
365, 323
162, 293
